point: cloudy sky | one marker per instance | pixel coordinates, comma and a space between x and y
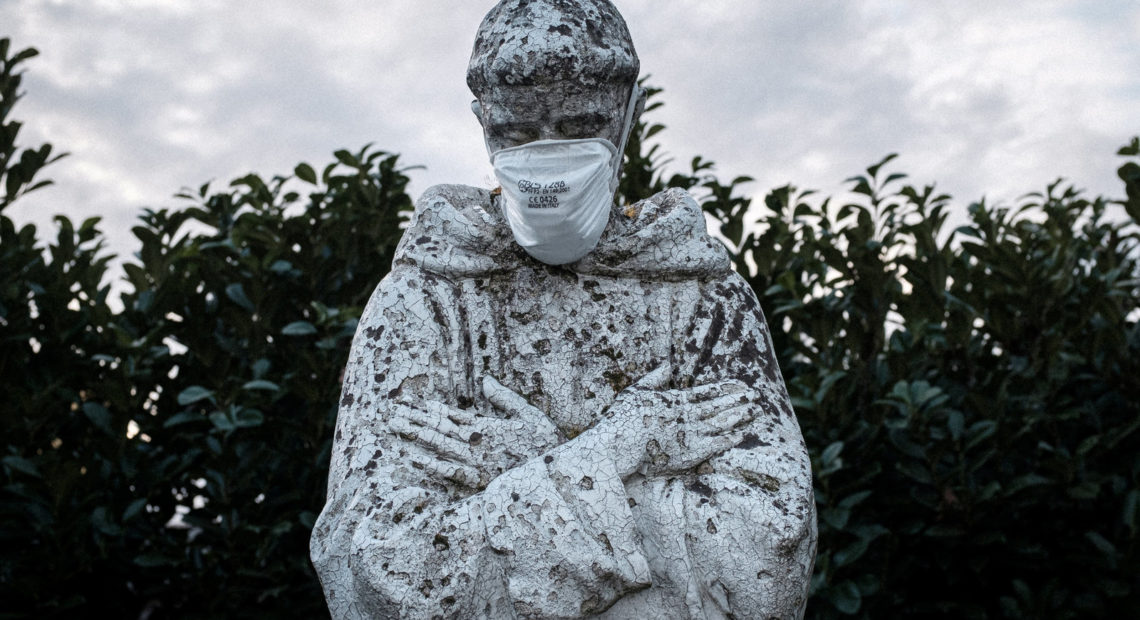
985, 97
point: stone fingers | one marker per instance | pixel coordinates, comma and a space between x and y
714, 390
437, 416
709, 408
431, 438
446, 470
456, 415
503, 398
517, 407
728, 419
700, 447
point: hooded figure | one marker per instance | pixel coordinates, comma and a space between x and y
526, 438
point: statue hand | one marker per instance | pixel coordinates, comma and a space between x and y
446, 441
530, 419
652, 429
466, 448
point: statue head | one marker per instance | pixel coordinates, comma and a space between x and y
552, 70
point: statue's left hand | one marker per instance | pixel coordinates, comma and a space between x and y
470, 449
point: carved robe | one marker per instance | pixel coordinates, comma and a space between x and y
559, 534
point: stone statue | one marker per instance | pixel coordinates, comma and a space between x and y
547, 417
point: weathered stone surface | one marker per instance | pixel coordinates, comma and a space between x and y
610, 438
546, 42
552, 69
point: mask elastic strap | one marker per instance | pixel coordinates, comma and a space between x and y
487, 144
630, 109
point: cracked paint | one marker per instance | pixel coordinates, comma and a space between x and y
609, 438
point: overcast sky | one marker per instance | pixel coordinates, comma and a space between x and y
985, 97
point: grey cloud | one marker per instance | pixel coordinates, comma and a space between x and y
152, 99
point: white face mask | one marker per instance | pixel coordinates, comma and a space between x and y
557, 194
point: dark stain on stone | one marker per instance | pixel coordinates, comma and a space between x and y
437, 313
538, 394
771, 370
716, 328
751, 441
737, 329
588, 607
617, 379
762, 481
749, 352
691, 342
700, 488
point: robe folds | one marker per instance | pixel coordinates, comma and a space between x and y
556, 532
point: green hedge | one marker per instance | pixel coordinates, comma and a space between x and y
970, 397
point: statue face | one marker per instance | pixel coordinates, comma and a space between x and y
516, 115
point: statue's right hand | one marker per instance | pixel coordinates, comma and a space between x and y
534, 423
446, 440
652, 429
468, 447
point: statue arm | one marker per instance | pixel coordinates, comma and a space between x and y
552, 536
748, 514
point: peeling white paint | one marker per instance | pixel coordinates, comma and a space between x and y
610, 438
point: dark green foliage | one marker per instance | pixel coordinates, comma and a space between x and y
970, 397
238, 331
213, 391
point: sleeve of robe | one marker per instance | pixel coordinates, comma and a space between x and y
551, 537
738, 535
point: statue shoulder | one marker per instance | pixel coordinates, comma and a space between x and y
662, 237
674, 205
456, 230
454, 197
677, 196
